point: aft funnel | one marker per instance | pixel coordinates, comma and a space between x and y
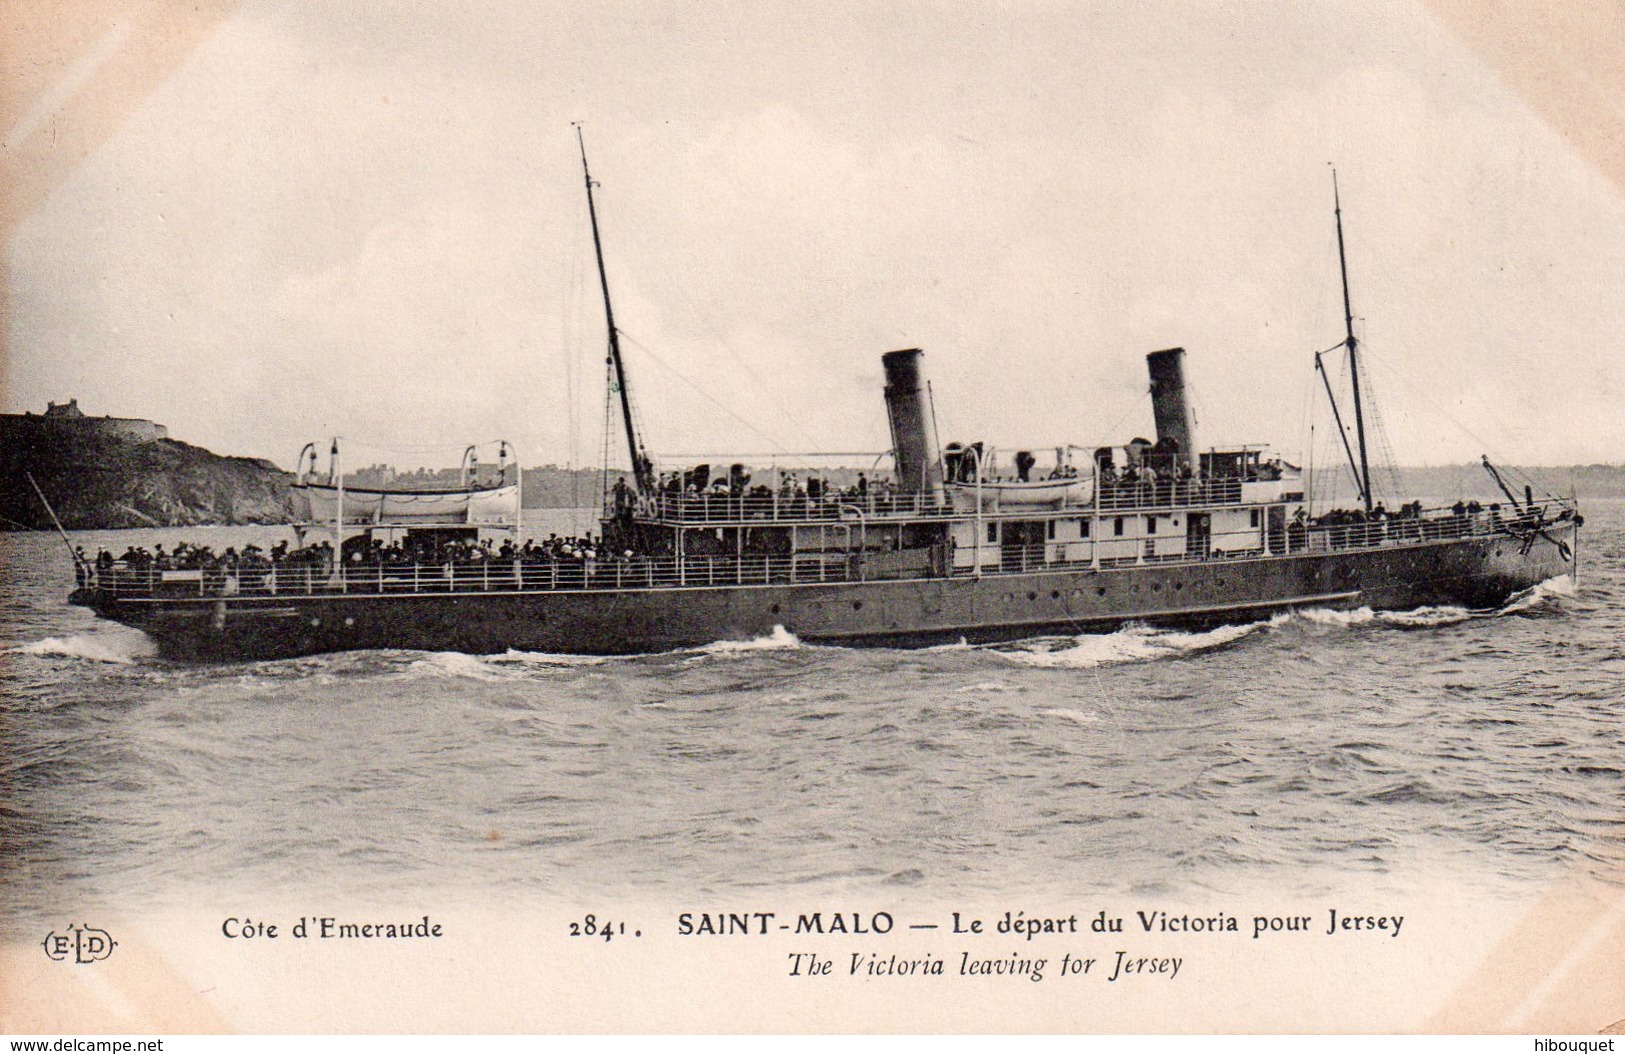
1169, 407
913, 426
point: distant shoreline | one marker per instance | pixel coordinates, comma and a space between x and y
108, 482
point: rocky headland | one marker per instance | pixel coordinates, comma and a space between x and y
97, 480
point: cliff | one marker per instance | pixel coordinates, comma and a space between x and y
99, 481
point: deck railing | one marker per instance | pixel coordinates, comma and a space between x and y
293, 579
879, 504
1119, 495
832, 507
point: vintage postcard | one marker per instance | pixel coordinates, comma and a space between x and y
718, 517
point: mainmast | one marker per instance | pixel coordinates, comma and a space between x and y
642, 471
1352, 344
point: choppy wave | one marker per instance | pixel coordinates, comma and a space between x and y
1067, 714
1134, 643
1438, 615
456, 664
780, 639
1541, 593
544, 658
1329, 616
982, 686
1416, 618
111, 647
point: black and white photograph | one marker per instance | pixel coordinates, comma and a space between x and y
658, 517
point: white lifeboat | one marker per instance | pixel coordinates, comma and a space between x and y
371, 505
1038, 493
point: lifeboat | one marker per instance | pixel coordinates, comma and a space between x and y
1038, 493
380, 506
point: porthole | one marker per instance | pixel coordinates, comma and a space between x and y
1032, 596
857, 605
1156, 587
775, 609
1055, 594
1100, 591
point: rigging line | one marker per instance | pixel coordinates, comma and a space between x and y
1111, 429
1342, 431
744, 364
1480, 440
703, 393
1385, 444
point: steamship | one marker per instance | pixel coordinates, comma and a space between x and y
949, 546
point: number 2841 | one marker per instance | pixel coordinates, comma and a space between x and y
600, 929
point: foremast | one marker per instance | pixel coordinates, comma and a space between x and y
1352, 344
642, 468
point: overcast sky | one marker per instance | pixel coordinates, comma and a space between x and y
368, 220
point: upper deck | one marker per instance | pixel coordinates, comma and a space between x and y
994, 498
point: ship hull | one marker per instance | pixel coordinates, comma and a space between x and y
1478, 573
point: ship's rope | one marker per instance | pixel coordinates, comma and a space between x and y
1512, 471
743, 362
700, 390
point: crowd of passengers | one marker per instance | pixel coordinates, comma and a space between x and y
184, 556
1461, 510
792, 493
737, 484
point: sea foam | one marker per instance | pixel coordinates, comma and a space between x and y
1134, 643
121, 648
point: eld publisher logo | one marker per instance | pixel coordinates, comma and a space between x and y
81, 944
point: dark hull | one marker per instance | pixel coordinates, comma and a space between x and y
1478, 573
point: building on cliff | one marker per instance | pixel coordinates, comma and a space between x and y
69, 417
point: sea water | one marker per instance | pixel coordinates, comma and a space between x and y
1486, 745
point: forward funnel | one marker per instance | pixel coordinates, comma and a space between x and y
913, 425
1170, 409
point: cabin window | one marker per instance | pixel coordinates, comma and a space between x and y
1049, 531
1117, 525
992, 532
1252, 517
1083, 528
1150, 525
